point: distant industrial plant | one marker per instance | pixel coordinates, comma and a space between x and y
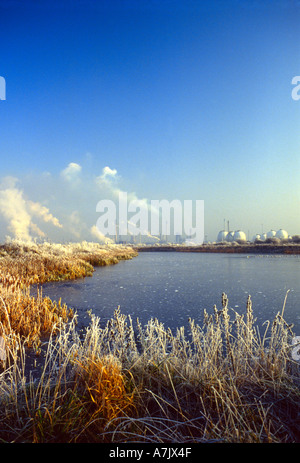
224, 236
239, 236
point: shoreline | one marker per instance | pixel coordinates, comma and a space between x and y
286, 249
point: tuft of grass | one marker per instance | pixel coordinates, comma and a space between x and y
32, 263
221, 381
22, 265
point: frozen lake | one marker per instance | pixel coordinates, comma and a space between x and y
173, 286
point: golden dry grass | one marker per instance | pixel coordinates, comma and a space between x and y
22, 265
31, 263
121, 383
223, 381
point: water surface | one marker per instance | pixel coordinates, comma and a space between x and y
175, 286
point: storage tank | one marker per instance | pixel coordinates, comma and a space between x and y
282, 234
229, 236
271, 234
256, 237
222, 235
239, 235
263, 237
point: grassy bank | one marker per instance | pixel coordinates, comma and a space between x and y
22, 265
221, 382
38, 263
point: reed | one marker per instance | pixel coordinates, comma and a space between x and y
38, 263
25, 264
124, 382
221, 381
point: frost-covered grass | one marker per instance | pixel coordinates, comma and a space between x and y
124, 382
38, 263
23, 264
223, 381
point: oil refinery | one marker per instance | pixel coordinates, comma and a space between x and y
239, 236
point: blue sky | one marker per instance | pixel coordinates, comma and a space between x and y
183, 99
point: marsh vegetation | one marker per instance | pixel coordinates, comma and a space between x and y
124, 381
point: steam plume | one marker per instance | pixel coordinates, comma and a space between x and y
18, 212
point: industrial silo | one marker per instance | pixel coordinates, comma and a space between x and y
239, 235
222, 235
271, 234
282, 234
230, 236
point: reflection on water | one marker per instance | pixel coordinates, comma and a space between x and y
175, 286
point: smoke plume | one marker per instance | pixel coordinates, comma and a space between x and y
18, 211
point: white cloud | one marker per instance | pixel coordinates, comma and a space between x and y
107, 178
71, 172
108, 172
32, 209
